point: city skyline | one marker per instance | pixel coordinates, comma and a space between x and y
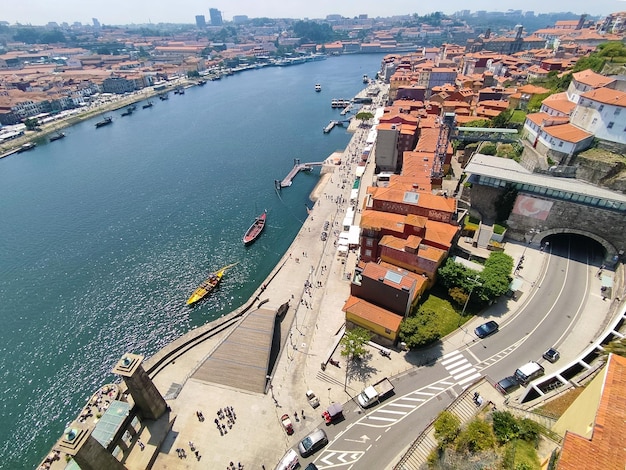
117, 12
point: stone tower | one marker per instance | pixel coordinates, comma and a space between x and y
145, 394
88, 453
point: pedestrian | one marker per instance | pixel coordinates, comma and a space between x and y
302, 414
141, 445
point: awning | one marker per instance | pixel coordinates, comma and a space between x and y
354, 235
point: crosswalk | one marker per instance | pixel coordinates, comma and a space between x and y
461, 370
397, 409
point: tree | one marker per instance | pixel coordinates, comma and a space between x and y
477, 436
454, 274
31, 123
353, 342
489, 149
447, 427
502, 119
420, 330
364, 116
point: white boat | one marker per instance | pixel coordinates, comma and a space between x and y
318, 87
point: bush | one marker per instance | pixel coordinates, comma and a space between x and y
447, 427
489, 149
458, 295
476, 437
420, 330
504, 426
499, 229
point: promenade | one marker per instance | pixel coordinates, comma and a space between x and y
315, 281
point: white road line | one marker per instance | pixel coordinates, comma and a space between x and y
459, 369
392, 412
456, 364
436, 388
412, 399
382, 419
469, 379
463, 374
446, 383
456, 357
401, 405
450, 354
424, 393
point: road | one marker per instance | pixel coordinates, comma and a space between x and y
374, 438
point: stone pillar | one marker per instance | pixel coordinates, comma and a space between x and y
88, 453
150, 402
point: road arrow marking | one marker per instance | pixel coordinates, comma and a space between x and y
362, 440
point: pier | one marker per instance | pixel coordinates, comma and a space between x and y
297, 168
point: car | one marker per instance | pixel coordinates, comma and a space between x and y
313, 442
486, 329
507, 385
287, 424
551, 355
311, 466
312, 399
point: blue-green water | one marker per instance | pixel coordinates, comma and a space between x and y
104, 234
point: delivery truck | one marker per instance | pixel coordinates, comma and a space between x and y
375, 393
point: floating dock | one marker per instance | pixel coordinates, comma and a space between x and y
297, 168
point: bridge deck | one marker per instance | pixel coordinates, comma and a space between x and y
286, 182
242, 360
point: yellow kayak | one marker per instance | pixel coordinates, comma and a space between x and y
208, 285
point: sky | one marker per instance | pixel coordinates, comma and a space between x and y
120, 12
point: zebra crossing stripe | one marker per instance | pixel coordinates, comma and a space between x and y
459, 369
402, 406
463, 374
456, 357
382, 419
445, 356
392, 412
469, 379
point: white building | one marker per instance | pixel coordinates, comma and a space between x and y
603, 113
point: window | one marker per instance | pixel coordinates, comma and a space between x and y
368, 253
560, 143
617, 111
601, 107
369, 242
609, 125
594, 121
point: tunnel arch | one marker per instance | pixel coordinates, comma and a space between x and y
611, 251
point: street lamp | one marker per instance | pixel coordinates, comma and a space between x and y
475, 282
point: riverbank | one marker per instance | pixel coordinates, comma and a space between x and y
118, 102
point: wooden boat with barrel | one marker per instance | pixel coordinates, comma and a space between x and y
208, 285
255, 229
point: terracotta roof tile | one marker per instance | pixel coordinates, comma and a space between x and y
605, 450
606, 96
590, 78
372, 313
567, 132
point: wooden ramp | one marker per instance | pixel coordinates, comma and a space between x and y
242, 360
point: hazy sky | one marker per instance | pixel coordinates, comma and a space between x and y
39, 12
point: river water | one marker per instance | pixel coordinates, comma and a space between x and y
105, 234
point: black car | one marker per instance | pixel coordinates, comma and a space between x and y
507, 385
486, 329
551, 355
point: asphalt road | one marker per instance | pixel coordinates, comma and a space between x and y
375, 437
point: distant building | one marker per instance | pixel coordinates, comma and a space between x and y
216, 17
200, 21
96, 23
240, 19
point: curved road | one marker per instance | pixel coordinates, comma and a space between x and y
375, 437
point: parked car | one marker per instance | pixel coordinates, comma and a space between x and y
551, 355
528, 372
313, 442
486, 329
287, 424
313, 400
507, 385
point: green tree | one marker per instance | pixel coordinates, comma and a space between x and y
454, 274
617, 346
496, 277
504, 426
31, 123
447, 427
353, 342
458, 295
364, 116
476, 437
502, 119
193, 74
420, 330
489, 149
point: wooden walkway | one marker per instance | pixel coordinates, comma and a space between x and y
242, 360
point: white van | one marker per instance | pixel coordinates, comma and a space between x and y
528, 372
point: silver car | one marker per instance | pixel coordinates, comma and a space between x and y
312, 443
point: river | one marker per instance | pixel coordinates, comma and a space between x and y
105, 234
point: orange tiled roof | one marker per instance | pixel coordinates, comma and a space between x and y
372, 313
605, 450
589, 77
533, 90
407, 279
606, 96
560, 103
567, 132
378, 220
440, 232
541, 119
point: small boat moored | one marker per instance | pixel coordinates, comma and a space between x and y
255, 229
318, 87
147, 105
57, 136
208, 285
106, 121
26, 147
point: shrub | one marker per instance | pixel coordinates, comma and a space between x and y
477, 436
499, 229
458, 295
504, 426
447, 427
